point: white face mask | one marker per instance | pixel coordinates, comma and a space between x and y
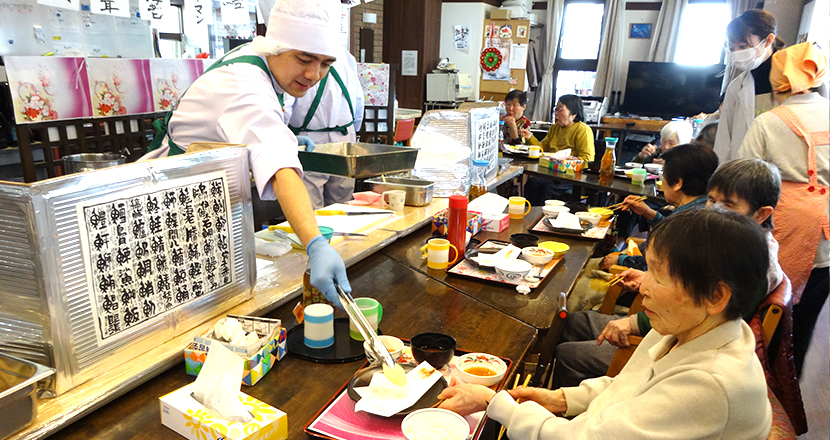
748, 59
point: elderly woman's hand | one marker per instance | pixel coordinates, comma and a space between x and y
616, 332
465, 398
609, 260
639, 207
647, 151
658, 161
632, 278
526, 134
552, 400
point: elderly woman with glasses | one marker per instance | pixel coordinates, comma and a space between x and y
695, 375
569, 130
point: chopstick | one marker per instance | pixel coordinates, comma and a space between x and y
615, 280
617, 206
515, 384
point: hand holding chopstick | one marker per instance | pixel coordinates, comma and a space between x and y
515, 384
628, 201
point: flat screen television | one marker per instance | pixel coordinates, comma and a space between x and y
668, 90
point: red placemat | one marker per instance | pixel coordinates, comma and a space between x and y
339, 421
468, 269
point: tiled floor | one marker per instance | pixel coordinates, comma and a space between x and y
815, 383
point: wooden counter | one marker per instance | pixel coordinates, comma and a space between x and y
413, 303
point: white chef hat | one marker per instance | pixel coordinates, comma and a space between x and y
304, 25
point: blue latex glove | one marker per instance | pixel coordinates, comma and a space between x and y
305, 140
327, 266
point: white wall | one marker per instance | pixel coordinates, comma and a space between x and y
464, 14
787, 15
634, 49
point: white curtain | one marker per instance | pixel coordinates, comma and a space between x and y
544, 94
608, 63
666, 31
738, 7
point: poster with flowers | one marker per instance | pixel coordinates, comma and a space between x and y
48, 88
170, 78
119, 86
374, 78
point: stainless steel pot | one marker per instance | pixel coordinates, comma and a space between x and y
76, 163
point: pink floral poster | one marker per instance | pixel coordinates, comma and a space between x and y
374, 78
48, 88
119, 86
170, 78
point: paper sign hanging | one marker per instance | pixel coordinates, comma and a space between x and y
518, 56
74, 5
115, 8
409, 63
198, 12
153, 10
235, 12
462, 37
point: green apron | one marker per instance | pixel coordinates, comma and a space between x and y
343, 129
161, 125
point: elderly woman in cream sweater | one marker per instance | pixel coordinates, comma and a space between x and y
694, 376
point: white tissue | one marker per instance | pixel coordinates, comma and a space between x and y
386, 399
271, 248
562, 154
218, 383
488, 203
565, 220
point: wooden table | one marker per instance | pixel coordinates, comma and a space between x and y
539, 308
413, 303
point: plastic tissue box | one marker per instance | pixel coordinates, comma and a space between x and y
261, 358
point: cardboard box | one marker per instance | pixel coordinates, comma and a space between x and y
183, 414
439, 222
500, 14
495, 222
257, 364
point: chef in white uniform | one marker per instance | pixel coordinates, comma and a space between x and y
331, 111
241, 99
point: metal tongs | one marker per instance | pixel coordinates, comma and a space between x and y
377, 348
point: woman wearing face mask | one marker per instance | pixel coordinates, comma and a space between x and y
794, 136
752, 42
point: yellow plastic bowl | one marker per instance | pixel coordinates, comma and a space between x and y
559, 249
604, 213
660, 185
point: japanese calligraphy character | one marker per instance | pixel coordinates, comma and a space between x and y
177, 256
109, 304
207, 227
113, 324
106, 283
169, 200
103, 262
163, 283
179, 276
123, 256
142, 248
182, 294
195, 270
156, 245
101, 240
131, 316
144, 269
171, 220
97, 219
107, 6
145, 289
149, 308
161, 262
152, 204
125, 278
127, 295
118, 213
190, 234
155, 224
197, 289
121, 233
138, 228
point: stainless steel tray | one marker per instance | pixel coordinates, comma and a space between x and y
418, 191
358, 160
18, 399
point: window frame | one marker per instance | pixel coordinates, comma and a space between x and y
559, 64
178, 7
722, 59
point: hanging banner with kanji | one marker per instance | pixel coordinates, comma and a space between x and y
154, 250
116, 8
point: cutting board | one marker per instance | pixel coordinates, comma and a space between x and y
346, 223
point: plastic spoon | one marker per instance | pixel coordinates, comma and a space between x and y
391, 370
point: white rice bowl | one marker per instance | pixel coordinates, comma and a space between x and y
435, 424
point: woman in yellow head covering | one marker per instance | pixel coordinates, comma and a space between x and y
795, 136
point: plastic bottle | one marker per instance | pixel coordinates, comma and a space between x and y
697, 125
457, 222
478, 183
609, 160
501, 135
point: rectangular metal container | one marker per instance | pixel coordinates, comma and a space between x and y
47, 312
358, 160
18, 393
418, 191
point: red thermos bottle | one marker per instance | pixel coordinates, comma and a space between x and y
457, 223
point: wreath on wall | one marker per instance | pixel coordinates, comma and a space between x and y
491, 59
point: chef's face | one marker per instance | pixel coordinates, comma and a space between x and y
297, 71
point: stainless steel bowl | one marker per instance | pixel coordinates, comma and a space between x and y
18, 393
76, 163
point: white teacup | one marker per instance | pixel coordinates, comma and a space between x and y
319, 326
394, 199
393, 344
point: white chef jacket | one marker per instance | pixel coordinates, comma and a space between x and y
237, 104
740, 107
332, 111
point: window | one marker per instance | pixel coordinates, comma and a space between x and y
702, 33
170, 31
576, 60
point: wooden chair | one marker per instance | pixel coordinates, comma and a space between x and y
623, 353
404, 129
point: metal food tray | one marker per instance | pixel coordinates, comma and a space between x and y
18, 400
418, 191
358, 160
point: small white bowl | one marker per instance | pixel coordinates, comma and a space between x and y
481, 368
654, 168
633, 165
554, 202
393, 344
553, 211
592, 217
429, 423
512, 270
537, 256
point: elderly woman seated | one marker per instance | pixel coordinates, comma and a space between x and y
694, 376
673, 134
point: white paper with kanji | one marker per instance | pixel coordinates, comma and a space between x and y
150, 251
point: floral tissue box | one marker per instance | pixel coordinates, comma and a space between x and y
440, 220
183, 414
